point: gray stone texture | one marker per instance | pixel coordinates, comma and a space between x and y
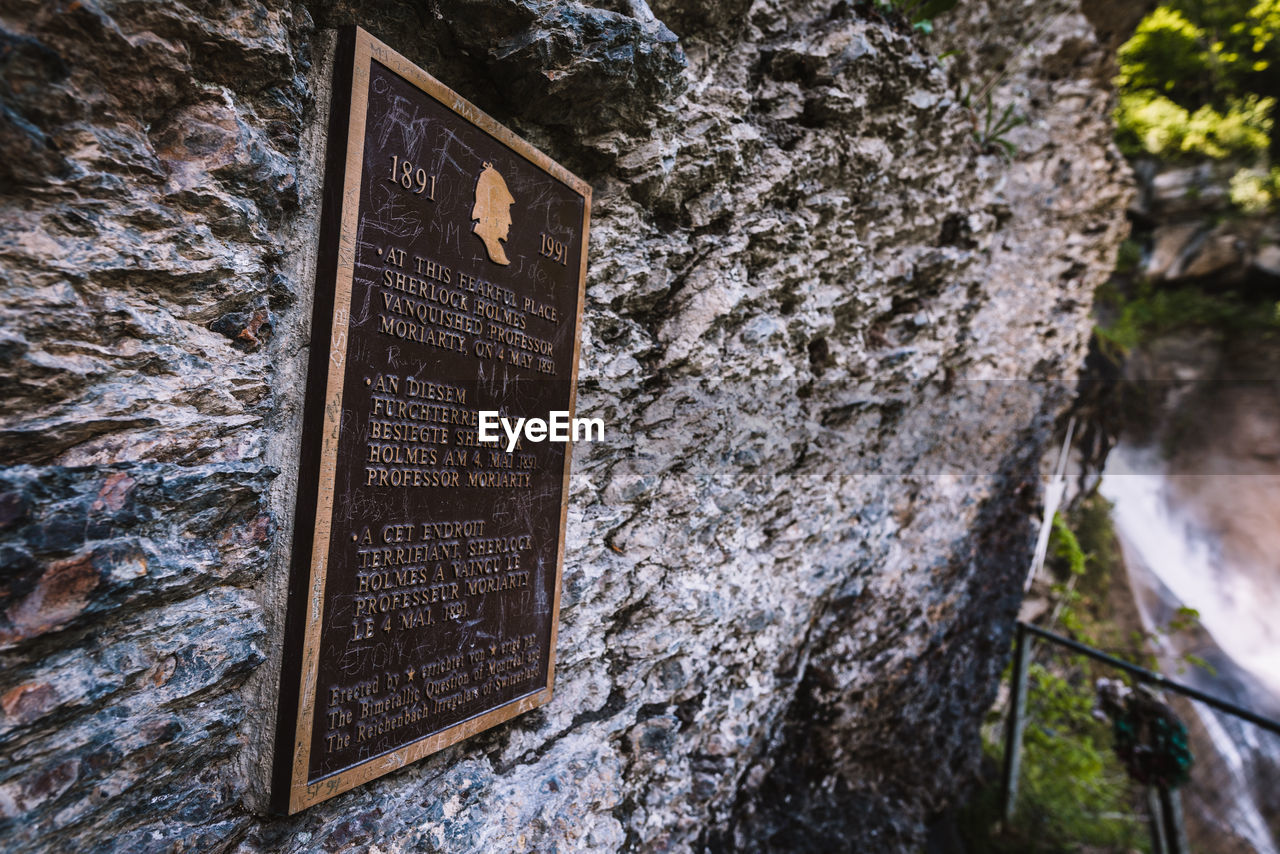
830, 323
1189, 234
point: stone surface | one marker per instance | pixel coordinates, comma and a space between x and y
1170, 246
1199, 245
1169, 191
1268, 260
829, 322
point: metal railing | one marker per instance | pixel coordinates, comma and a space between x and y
1060, 756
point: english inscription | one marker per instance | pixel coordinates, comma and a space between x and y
426, 576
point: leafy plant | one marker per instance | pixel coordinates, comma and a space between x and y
1148, 312
1167, 54
1129, 256
1197, 661
1152, 123
1196, 79
1256, 191
989, 128
1064, 544
1243, 37
920, 13
1184, 618
1074, 792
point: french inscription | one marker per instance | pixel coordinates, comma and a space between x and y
432, 568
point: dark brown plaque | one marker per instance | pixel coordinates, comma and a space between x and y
425, 589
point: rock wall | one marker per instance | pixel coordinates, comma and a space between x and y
831, 318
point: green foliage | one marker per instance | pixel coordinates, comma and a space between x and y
1095, 529
1256, 191
1150, 312
1129, 256
1184, 618
990, 126
921, 13
1070, 608
1086, 552
1195, 79
1085, 543
1152, 123
1063, 543
1167, 53
1215, 16
1244, 38
1263, 29
1074, 792
1197, 661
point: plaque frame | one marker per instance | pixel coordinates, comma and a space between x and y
356, 50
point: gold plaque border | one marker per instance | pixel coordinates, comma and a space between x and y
301, 793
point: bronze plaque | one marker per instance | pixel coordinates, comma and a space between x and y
425, 589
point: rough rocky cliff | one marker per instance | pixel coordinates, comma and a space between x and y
830, 321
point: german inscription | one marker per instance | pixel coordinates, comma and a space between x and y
425, 588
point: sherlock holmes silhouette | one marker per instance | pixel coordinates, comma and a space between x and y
491, 213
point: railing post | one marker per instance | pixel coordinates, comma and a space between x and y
1015, 722
1155, 810
1175, 831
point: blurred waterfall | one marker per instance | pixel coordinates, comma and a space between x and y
1174, 559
